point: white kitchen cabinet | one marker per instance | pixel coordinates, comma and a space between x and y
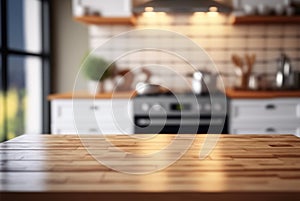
265, 116
88, 116
101, 12
106, 8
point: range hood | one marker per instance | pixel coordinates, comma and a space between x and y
182, 6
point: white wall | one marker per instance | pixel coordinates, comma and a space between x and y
70, 44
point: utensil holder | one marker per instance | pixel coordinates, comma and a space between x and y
245, 81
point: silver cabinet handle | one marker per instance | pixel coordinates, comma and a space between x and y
270, 130
94, 107
270, 107
59, 111
178, 122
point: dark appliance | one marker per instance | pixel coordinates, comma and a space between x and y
180, 113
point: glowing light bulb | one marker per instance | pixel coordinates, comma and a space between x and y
213, 9
161, 13
198, 14
149, 9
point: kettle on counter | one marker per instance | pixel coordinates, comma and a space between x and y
204, 82
284, 75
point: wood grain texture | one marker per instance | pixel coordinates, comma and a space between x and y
84, 95
236, 94
56, 167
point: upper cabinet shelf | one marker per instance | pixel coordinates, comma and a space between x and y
103, 12
98, 20
264, 20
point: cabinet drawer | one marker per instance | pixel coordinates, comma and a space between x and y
265, 128
71, 129
100, 116
91, 129
66, 110
270, 131
265, 109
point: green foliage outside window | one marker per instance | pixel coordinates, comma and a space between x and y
13, 114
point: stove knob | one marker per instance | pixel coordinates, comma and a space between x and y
157, 107
145, 107
218, 107
207, 107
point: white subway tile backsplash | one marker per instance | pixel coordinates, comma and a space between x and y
180, 19
289, 43
226, 68
214, 19
297, 65
217, 43
99, 31
261, 55
181, 28
257, 30
217, 55
96, 42
202, 42
272, 55
236, 43
274, 30
240, 30
293, 54
115, 30
274, 43
262, 68
214, 34
256, 43
216, 30
199, 56
291, 30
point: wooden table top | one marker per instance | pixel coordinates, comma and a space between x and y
240, 167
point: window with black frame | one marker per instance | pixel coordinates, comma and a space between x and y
24, 56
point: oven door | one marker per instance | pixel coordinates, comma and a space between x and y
174, 125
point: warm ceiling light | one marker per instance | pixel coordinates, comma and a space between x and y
212, 14
213, 9
149, 14
149, 9
198, 13
161, 13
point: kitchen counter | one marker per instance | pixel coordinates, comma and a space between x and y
248, 94
241, 167
231, 93
85, 95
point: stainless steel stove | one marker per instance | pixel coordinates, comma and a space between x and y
180, 113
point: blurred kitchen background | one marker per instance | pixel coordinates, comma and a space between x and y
268, 30
215, 33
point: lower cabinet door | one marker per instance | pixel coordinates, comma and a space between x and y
92, 129
265, 109
99, 117
71, 129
